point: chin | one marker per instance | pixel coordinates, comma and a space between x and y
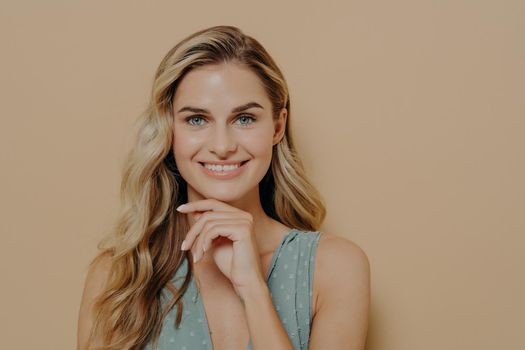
227, 194
227, 197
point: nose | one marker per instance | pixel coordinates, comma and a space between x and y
222, 143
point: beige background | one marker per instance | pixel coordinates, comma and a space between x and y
409, 115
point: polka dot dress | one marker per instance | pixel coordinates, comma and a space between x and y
290, 281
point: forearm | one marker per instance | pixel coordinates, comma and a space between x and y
266, 330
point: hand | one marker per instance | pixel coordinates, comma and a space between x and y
227, 232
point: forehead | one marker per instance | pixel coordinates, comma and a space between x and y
225, 84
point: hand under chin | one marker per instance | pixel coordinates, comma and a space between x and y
222, 252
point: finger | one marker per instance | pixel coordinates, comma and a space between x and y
193, 232
206, 205
202, 219
225, 229
202, 244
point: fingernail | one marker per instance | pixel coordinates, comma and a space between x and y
183, 245
180, 207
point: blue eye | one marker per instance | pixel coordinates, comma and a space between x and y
246, 117
188, 120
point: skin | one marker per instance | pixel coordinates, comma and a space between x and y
221, 135
232, 238
229, 227
230, 213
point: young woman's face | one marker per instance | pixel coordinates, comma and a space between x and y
222, 114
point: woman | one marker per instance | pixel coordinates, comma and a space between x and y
216, 246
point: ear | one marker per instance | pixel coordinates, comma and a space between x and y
280, 126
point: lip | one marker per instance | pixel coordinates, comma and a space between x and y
226, 163
224, 175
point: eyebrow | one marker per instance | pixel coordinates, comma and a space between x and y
235, 110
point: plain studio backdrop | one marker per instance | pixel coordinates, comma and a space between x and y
409, 116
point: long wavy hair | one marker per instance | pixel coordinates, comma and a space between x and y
143, 247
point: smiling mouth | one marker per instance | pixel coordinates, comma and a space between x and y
223, 168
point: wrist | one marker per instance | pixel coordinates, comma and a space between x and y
253, 291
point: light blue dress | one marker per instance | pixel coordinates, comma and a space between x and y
290, 281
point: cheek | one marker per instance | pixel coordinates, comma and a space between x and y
259, 142
184, 145
186, 139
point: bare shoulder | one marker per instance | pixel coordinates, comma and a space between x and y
343, 296
334, 250
341, 264
94, 284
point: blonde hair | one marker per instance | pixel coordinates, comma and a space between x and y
144, 245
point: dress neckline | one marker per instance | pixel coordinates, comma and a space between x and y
206, 325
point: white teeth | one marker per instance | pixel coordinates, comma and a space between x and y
221, 167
